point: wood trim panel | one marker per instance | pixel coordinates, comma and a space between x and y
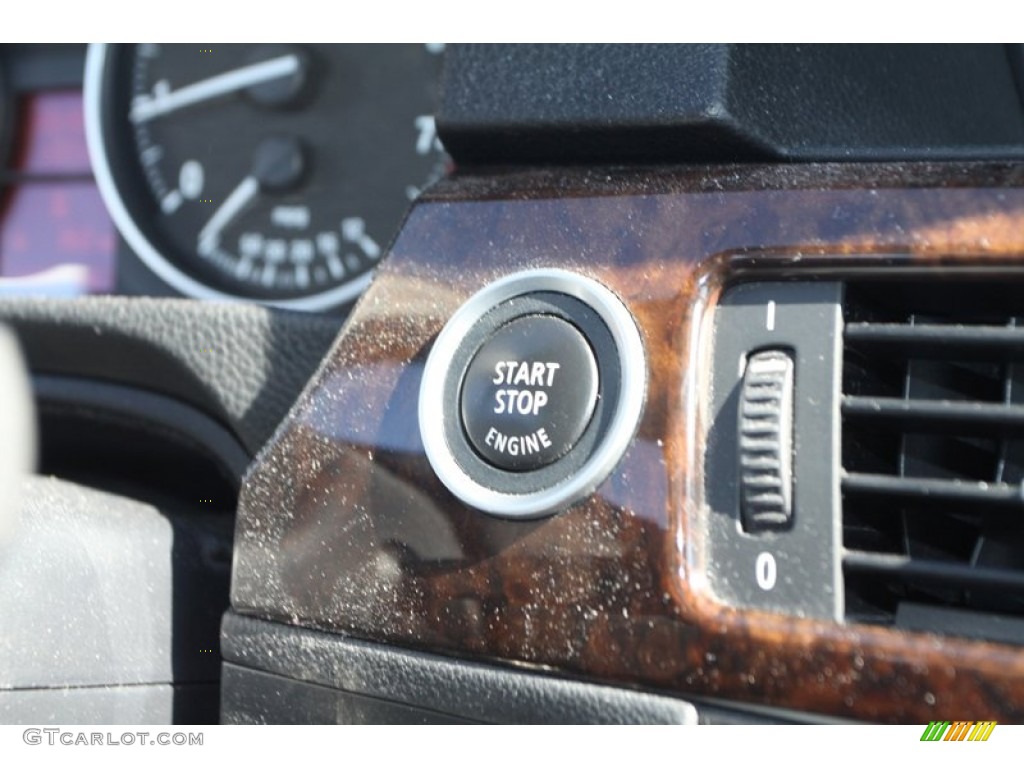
342, 525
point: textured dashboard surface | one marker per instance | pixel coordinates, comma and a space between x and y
450, 687
603, 104
243, 365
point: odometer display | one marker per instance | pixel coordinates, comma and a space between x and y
276, 173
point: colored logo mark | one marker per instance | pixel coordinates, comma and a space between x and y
958, 730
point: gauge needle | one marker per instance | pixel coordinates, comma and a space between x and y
240, 197
147, 107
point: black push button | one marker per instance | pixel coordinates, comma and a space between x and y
529, 393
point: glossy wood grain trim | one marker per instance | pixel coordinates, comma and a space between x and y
342, 525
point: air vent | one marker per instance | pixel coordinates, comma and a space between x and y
933, 456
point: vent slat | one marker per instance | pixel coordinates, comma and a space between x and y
949, 491
933, 573
932, 480
942, 416
966, 342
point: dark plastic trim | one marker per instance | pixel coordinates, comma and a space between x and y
450, 687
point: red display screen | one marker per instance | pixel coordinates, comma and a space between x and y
56, 236
51, 135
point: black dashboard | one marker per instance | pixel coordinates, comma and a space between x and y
534, 383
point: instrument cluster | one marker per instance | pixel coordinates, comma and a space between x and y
267, 173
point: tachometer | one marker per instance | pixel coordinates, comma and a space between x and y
275, 173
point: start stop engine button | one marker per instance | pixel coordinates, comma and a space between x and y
529, 393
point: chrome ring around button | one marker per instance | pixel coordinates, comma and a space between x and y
613, 442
